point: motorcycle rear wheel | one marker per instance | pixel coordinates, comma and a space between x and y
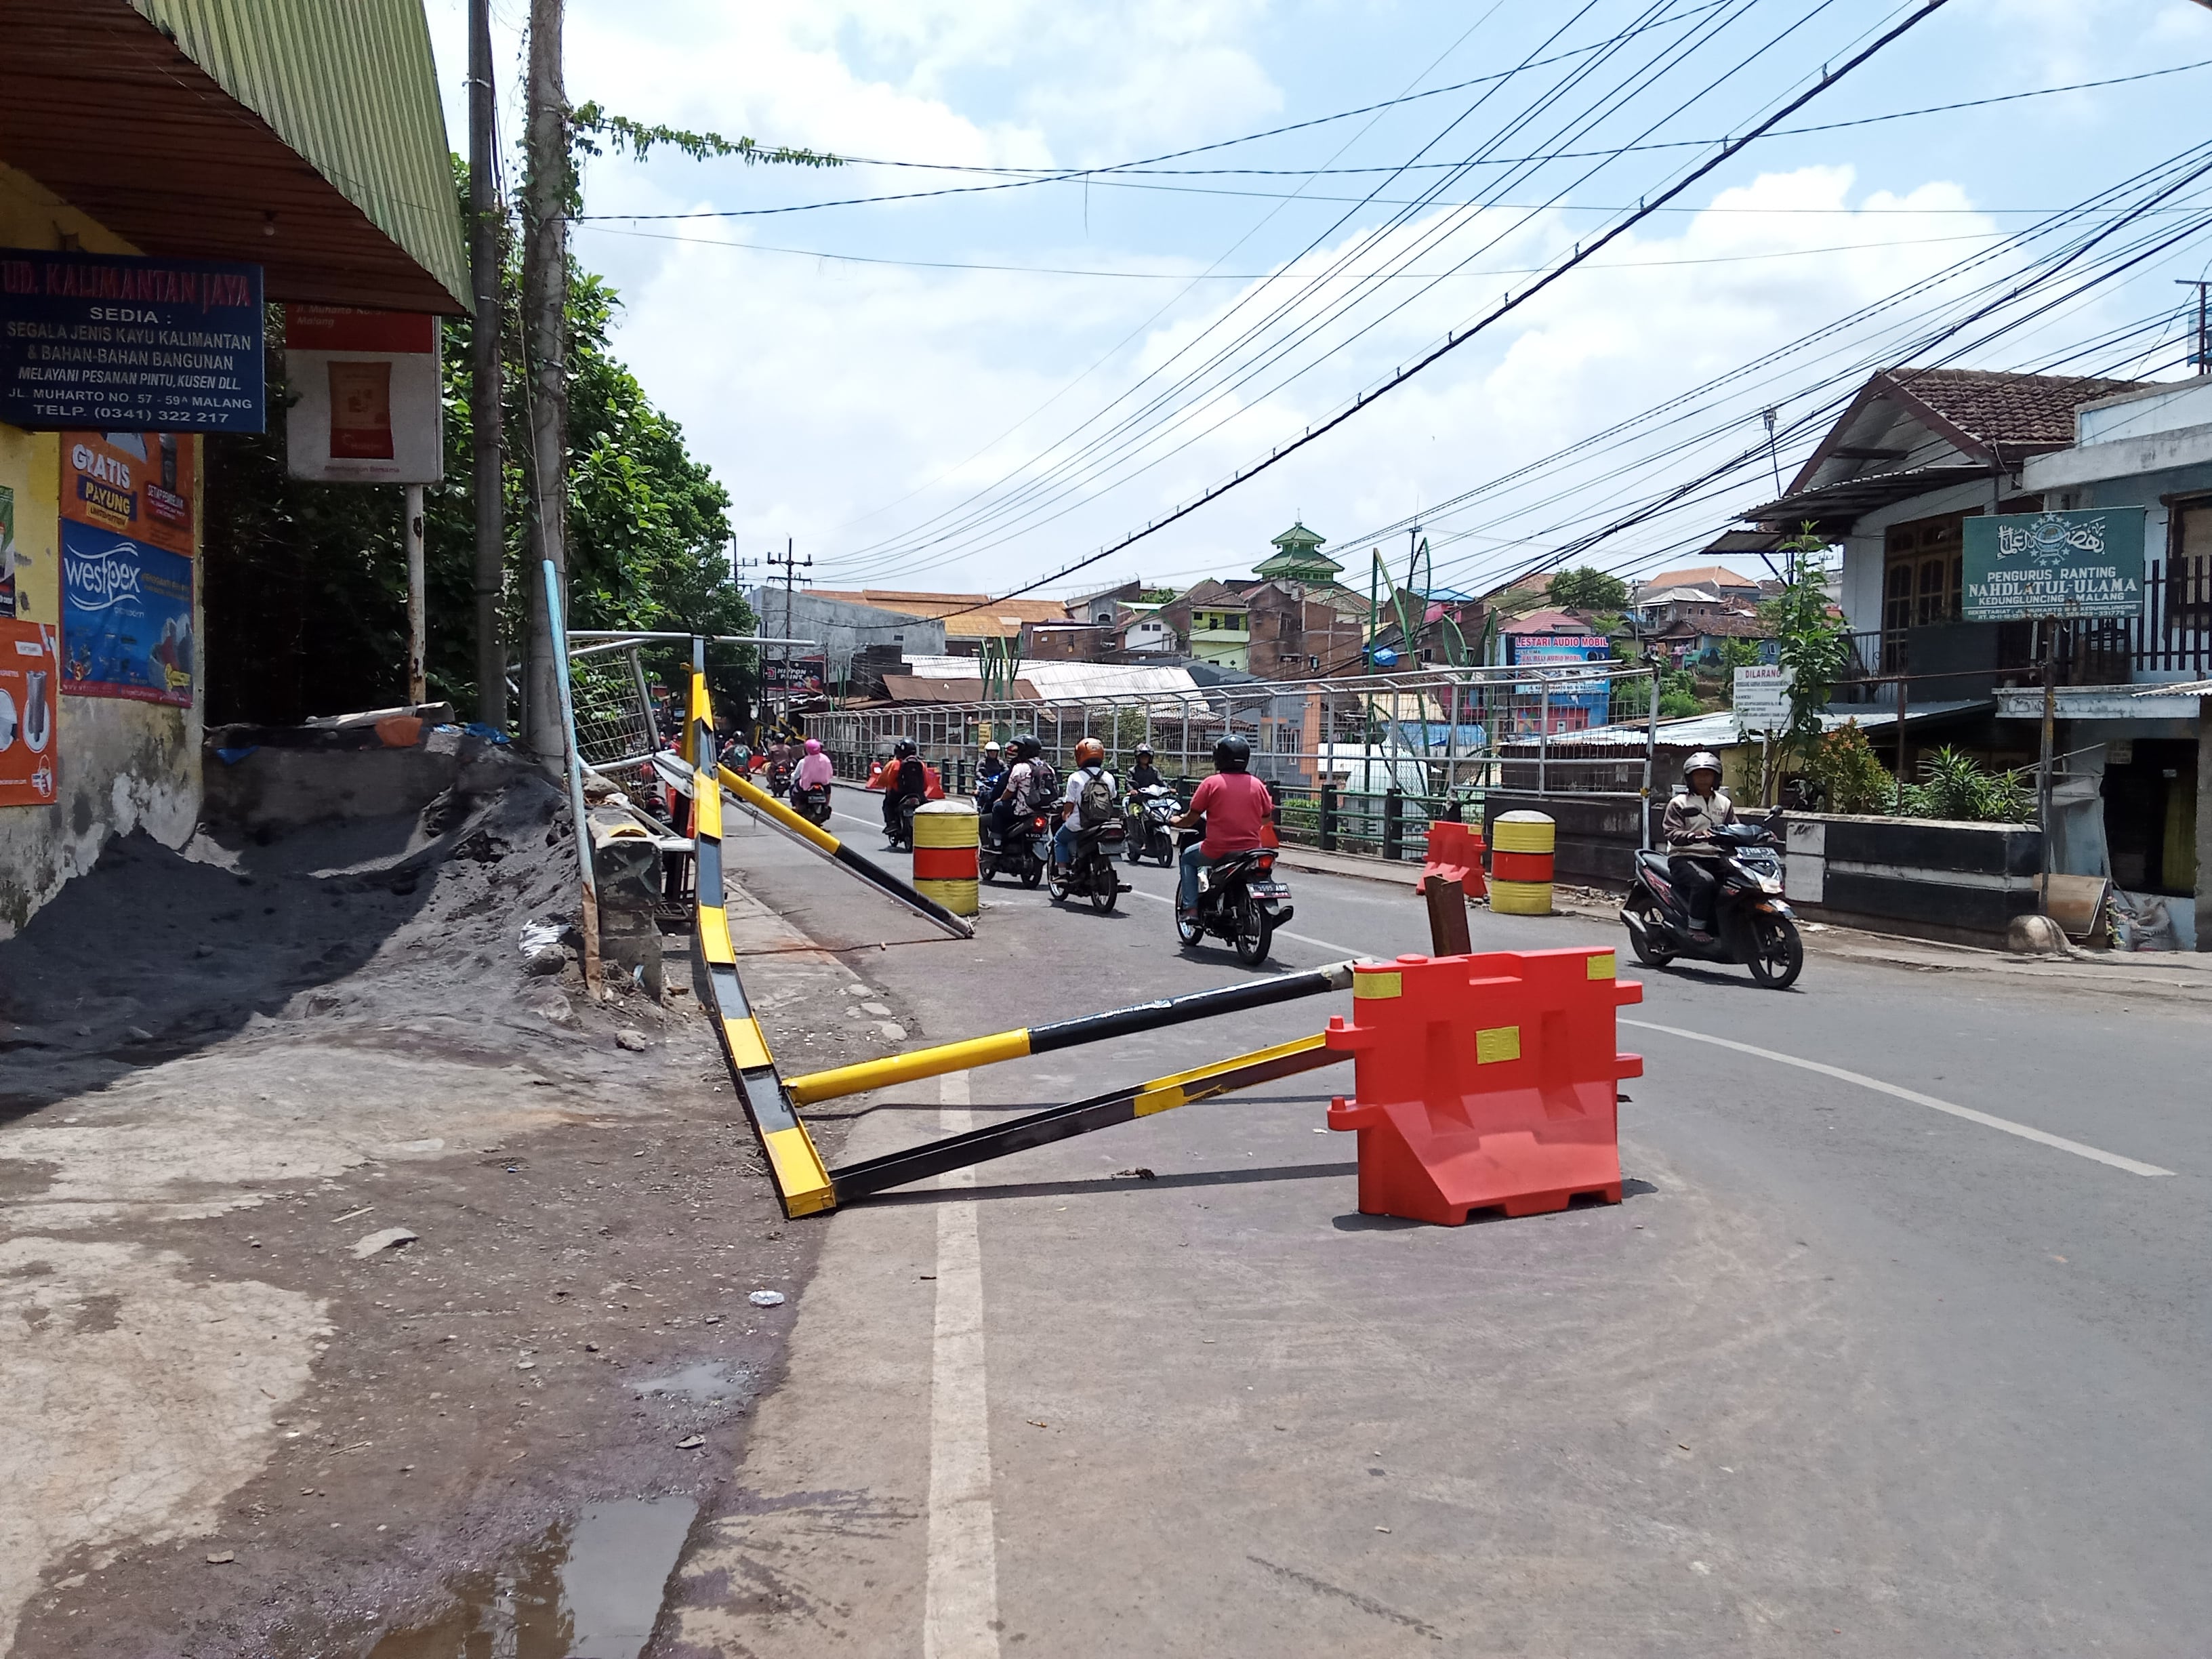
1032, 874
1254, 933
1774, 952
1105, 888
1188, 929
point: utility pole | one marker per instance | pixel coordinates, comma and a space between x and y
2200, 359
544, 304
792, 567
738, 568
487, 218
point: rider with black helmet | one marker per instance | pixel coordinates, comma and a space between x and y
1143, 775
905, 778
1029, 785
1235, 807
1699, 808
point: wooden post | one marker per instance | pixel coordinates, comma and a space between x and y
1448, 929
417, 625
544, 307
487, 219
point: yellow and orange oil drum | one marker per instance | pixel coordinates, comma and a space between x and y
1521, 849
945, 840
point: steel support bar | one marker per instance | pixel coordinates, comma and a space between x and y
1081, 1117
972, 1052
802, 1185
823, 841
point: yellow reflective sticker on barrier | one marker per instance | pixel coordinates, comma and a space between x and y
1499, 1043
799, 1176
706, 804
714, 935
1602, 965
1377, 985
748, 1047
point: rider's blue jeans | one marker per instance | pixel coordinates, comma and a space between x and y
1192, 856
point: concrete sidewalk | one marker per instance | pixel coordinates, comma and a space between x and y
2183, 976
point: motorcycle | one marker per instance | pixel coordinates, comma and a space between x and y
811, 802
1147, 834
1751, 923
1025, 853
1239, 900
1090, 872
779, 778
902, 836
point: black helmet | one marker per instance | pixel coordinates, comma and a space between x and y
902, 749
1028, 747
1231, 754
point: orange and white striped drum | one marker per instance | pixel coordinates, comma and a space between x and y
1521, 851
945, 833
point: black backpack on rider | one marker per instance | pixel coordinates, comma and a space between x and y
1094, 804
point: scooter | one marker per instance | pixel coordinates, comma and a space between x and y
1091, 874
1149, 836
1751, 923
901, 837
1025, 853
811, 802
1239, 900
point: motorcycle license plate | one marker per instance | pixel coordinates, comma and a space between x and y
1268, 889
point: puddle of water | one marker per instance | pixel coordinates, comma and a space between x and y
590, 1589
703, 1381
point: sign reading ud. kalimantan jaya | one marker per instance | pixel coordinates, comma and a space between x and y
101, 342
2087, 562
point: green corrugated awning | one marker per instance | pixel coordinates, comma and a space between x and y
351, 87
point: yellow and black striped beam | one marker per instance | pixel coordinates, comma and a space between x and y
802, 1184
823, 841
1065, 1034
1081, 1117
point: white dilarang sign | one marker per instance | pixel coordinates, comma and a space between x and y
1762, 698
366, 406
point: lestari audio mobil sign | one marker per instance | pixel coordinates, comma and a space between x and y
98, 340
2088, 563
365, 396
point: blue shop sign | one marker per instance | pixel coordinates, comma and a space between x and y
102, 343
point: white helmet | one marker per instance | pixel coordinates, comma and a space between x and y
1704, 761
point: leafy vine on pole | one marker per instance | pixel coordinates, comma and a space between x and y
591, 122
1813, 644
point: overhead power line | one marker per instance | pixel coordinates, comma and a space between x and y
1829, 77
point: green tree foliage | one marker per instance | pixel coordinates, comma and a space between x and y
1586, 588
589, 124
1813, 645
306, 582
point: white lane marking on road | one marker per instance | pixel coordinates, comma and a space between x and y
2041, 1137
960, 1612
1342, 950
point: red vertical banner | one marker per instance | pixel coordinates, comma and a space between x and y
30, 691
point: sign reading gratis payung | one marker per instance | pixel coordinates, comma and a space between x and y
127, 566
99, 340
2087, 562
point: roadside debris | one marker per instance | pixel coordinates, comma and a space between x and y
633, 1041
390, 1238
766, 1298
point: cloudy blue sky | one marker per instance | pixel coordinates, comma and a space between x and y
975, 389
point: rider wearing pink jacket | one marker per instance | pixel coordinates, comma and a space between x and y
813, 768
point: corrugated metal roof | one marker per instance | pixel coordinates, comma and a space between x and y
351, 87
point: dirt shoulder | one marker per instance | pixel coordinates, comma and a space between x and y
235, 1427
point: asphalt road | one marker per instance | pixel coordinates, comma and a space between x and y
1908, 1354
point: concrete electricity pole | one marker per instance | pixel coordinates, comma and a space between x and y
792, 567
487, 217
544, 305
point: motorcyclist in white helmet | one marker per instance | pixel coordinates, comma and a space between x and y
1699, 807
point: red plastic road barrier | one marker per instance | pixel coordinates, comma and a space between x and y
1454, 855
1485, 1082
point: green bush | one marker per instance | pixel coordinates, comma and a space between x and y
1850, 778
1957, 786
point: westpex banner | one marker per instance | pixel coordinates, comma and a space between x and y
126, 618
